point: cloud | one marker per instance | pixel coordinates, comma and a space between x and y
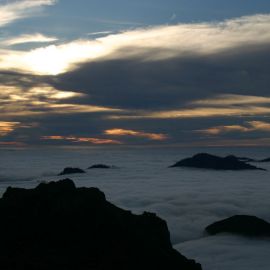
7, 127
35, 38
233, 100
168, 79
74, 139
20, 9
134, 133
100, 33
153, 43
251, 126
197, 112
43, 100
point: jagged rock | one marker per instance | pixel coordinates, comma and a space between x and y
57, 226
70, 170
241, 224
207, 161
100, 166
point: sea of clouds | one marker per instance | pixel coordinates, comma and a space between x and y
188, 199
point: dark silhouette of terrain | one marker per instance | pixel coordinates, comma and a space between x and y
241, 224
57, 226
70, 170
100, 166
207, 161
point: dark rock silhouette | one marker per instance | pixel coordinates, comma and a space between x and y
57, 226
207, 161
100, 166
241, 224
70, 170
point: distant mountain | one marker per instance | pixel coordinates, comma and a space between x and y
207, 161
70, 170
100, 166
241, 224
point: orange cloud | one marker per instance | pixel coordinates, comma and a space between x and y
75, 139
251, 126
7, 127
44, 99
12, 144
128, 132
224, 129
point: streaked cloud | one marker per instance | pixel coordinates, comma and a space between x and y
233, 100
134, 133
7, 127
15, 10
31, 38
15, 144
153, 43
199, 112
74, 139
100, 33
250, 126
44, 99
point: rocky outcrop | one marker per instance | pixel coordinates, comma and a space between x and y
57, 226
242, 225
207, 161
70, 170
100, 166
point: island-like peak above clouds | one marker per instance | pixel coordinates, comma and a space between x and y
207, 161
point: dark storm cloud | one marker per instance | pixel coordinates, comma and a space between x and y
170, 83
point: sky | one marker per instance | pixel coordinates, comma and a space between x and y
122, 72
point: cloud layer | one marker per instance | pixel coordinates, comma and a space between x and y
20, 9
168, 81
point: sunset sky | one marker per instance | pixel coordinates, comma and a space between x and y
145, 72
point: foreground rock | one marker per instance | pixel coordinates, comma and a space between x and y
70, 170
57, 226
241, 224
207, 161
100, 166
